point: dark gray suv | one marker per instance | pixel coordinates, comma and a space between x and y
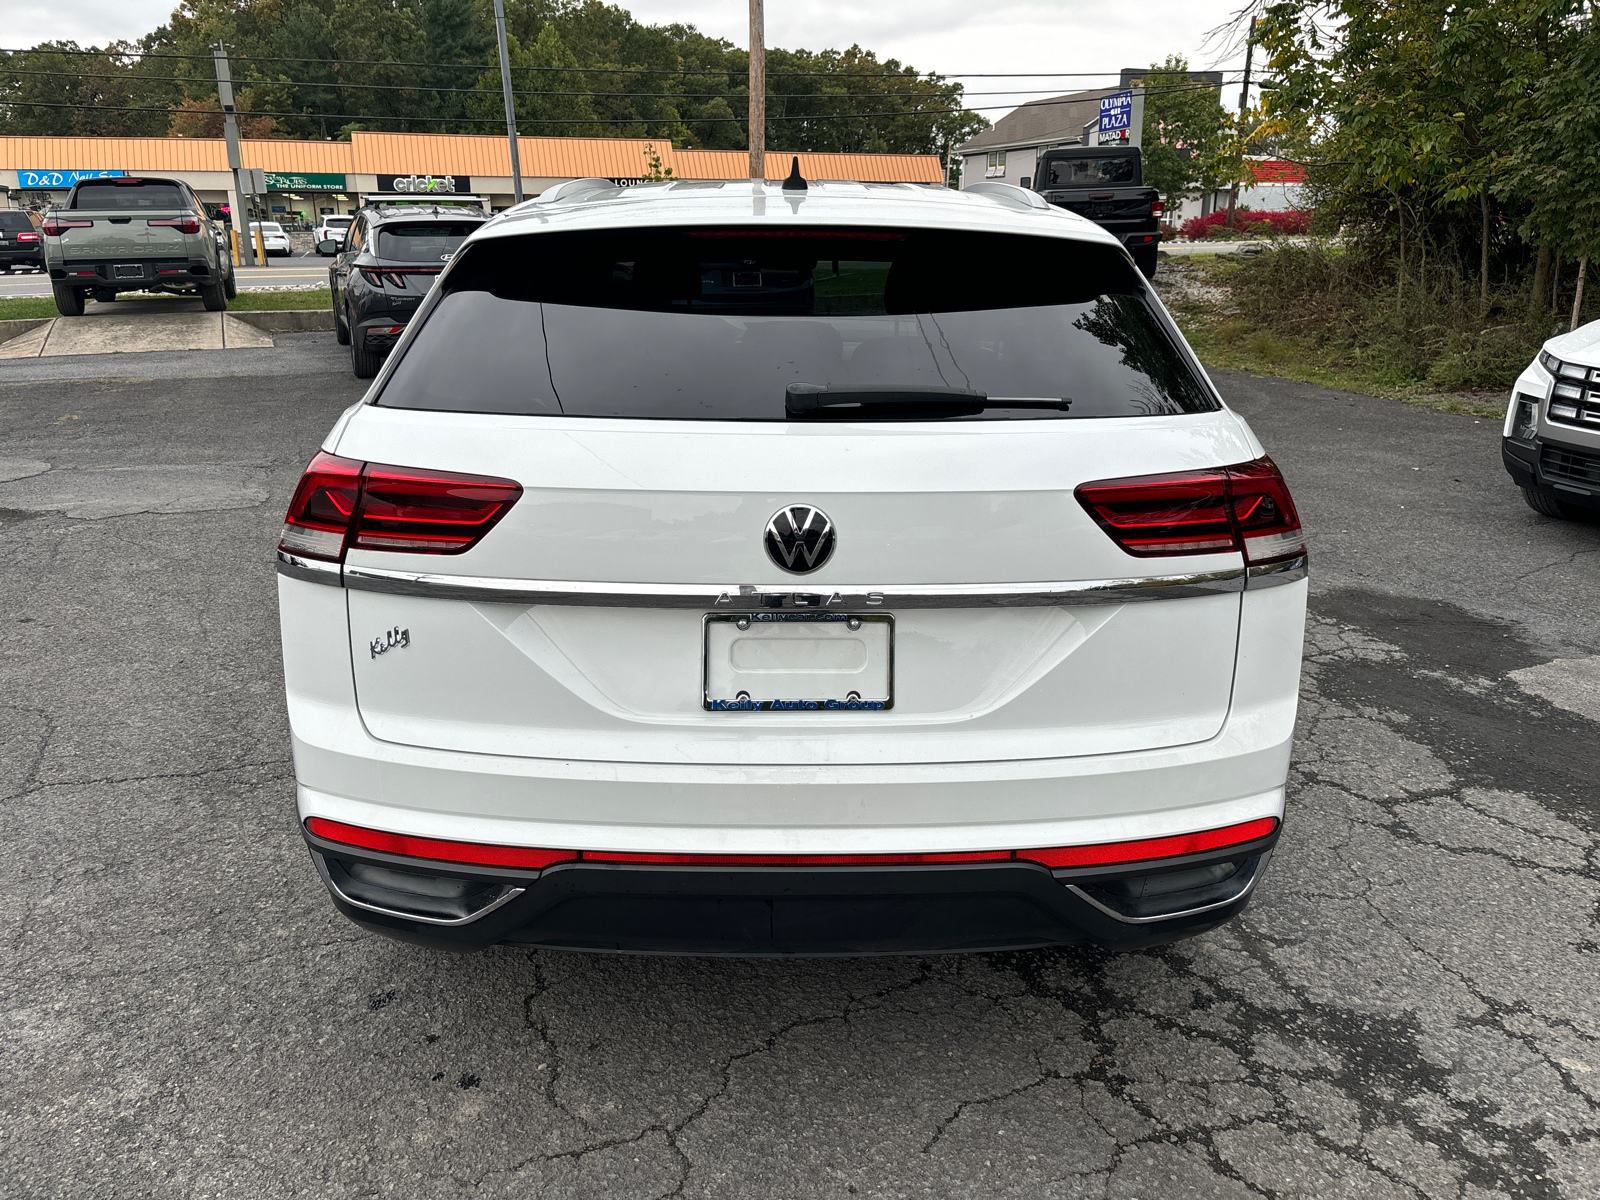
384, 268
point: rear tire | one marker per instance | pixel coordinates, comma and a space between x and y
230, 286
214, 296
341, 331
69, 300
104, 295
1545, 502
1146, 261
364, 363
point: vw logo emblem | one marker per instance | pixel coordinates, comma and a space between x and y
800, 538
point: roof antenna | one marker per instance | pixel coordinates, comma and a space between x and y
795, 182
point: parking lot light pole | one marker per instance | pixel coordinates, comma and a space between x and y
758, 92
511, 108
230, 131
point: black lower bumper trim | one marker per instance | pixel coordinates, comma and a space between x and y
1573, 472
779, 911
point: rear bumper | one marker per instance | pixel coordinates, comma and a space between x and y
379, 334
175, 272
842, 910
1572, 471
22, 257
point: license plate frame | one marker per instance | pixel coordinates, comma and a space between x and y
851, 702
127, 271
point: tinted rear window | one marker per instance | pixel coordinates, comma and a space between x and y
130, 196
16, 222
718, 324
432, 242
1086, 172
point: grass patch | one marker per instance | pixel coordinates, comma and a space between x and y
20, 308
1322, 316
280, 301
17, 308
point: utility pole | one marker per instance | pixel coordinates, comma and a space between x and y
758, 92
511, 107
230, 131
1244, 105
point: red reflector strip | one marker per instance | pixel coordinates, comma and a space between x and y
530, 858
1163, 847
436, 848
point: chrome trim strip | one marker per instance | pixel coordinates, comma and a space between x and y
748, 598
1250, 885
509, 895
1290, 570
312, 570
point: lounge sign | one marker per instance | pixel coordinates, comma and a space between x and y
284, 182
426, 185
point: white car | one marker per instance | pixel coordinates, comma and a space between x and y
331, 229
755, 570
1551, 442
273, 239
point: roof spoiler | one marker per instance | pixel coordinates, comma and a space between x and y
1009, 194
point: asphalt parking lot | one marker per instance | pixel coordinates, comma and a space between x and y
1409, 1008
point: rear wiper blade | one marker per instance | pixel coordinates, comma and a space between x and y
802, 399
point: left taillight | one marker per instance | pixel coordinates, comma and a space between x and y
341, 503
1245, 508
27, 237
56, 226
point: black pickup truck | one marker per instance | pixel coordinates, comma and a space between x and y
1107, 186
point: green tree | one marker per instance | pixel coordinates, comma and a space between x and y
1183, 127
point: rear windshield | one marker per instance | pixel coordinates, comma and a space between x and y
1086, 172
335, 222
130, 196
735, 325
267, 226
435, 241
16, 222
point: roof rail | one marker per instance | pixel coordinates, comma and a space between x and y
1010, 194
573, 189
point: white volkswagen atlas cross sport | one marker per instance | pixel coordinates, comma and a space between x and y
733, 568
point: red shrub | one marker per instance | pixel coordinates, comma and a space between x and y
1288, 221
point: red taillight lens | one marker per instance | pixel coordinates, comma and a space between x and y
1265, 512
428, 512
342, 503
323, 508
1244, 508
27, 237
1158, 207
438, 849
55, 226
181, 224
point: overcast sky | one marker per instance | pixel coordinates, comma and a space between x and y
949, 36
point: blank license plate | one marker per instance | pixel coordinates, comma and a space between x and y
787, 662
129, 271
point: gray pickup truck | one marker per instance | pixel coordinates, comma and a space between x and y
134, 235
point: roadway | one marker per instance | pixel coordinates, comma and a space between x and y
1408, 1008
299, 270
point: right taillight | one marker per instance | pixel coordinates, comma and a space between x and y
341, 503
1244, 508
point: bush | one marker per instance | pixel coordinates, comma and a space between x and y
1344, 310
1256, 224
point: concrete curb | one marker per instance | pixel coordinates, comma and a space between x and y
288, 320
11, 329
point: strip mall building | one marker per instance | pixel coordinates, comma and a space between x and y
308, 179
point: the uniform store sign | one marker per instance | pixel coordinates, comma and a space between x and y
426, 185
288, 181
